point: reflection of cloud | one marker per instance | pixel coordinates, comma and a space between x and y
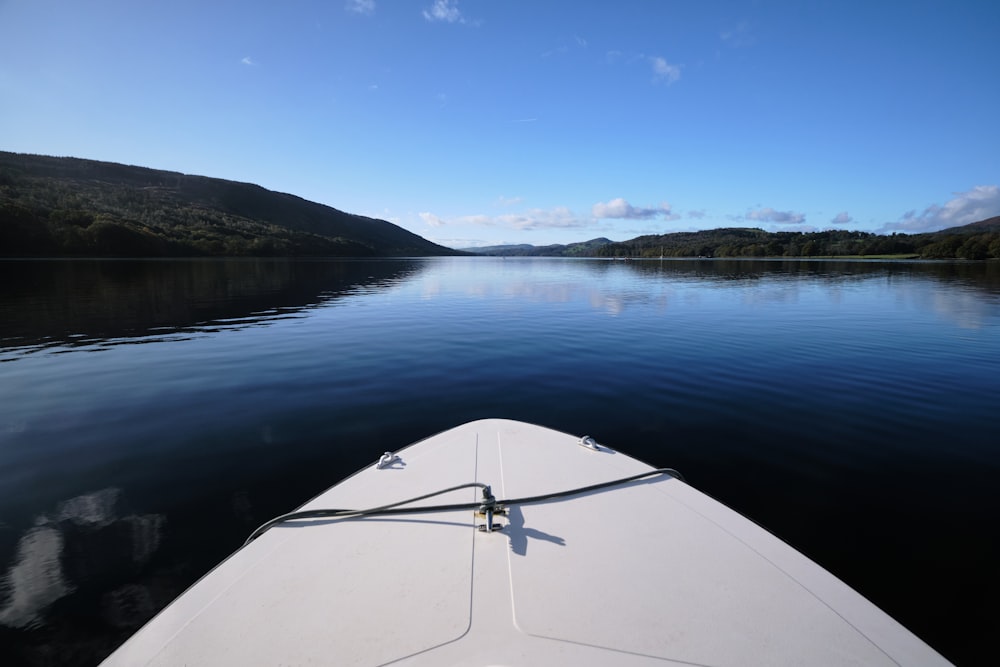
36, 579
770, 293
965, 310
128, 607
95, 509
606, 298
88, 522
609, 303
146, 533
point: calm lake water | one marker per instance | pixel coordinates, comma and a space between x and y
153, 412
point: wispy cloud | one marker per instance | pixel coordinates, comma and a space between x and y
664, 71
697, 214
979, 203
444, 10
621, 210
842, 218
559, 217
432, 220
247, 60
578, 43
780, 217
363, 7
742, 34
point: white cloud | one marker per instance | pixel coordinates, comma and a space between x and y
559, 217
768, 214
365, 7
431, 219
740, 35
664, 71
508, 201
248, 61
979, 203
842, 218
444, 10
697, 214
477, 220
621, 209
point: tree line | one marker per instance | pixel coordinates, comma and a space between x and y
970, 242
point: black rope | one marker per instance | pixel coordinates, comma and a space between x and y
394, 509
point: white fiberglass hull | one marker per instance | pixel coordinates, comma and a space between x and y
647, 572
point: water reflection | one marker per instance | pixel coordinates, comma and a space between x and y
71, 304
736, 371
613, 287
82, 541
980, 275
74, 303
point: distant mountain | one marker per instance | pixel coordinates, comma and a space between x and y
53, 206
582, 249
501, 249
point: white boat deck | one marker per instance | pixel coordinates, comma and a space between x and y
651, 572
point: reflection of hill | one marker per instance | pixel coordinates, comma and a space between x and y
66, 302
984, 276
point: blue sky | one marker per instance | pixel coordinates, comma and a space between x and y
477, 122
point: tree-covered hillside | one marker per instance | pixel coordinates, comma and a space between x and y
71, 207
979, 240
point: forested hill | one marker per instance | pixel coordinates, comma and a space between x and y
52, 206
978, 240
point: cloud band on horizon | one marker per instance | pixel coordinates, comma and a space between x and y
979, 203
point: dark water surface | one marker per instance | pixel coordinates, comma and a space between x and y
153, 412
